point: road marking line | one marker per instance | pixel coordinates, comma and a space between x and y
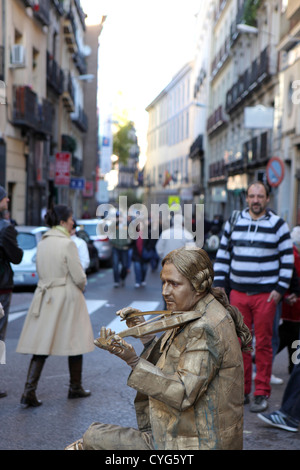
92, 306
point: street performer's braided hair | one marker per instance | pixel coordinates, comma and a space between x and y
195, 265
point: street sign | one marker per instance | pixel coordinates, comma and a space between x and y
62, 168
275, 171
77, 183
258, 117
88, 189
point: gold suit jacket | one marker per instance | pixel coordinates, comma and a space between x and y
190, 384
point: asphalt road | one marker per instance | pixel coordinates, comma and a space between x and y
59, 421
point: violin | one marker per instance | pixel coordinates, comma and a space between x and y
166, 320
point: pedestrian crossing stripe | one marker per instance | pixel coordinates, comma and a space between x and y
92, 306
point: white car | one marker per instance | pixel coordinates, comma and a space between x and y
28, 238
101, 242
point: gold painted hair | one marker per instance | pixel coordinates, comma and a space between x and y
195, 265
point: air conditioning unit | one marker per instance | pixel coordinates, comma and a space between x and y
18, 55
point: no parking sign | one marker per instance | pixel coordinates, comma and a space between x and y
275, 171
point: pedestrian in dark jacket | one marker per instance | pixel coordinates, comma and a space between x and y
10, 252
142, 253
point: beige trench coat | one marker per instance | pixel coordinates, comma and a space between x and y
192, 399
57, 322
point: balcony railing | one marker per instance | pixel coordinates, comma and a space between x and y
69, 93
254, 153
249, 80
29, 113
41, 11
80, 62
216, 120
59, 6
70, 32
2, 54
196, 149
55, 75
217, 170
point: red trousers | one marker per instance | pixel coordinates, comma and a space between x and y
258, 316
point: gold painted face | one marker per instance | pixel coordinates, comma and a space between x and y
177, 290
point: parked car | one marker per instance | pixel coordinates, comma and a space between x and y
101, 242
28, 237
93, 252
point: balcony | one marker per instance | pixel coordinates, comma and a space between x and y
69, 28
2, 55
76, 166
80, 119
216, 170
29, 113
69, 93
80, 62
251, 79
255, 153
196, 149
81, 13
216, 120
41, 11
55, 75
45, 113
220, 58
58, 4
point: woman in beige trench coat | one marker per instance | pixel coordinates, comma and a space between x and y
57, 322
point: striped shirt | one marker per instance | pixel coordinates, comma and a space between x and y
261, 258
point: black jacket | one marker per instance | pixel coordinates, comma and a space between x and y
10, 252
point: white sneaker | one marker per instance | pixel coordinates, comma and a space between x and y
143, 284
275, 380
137, 285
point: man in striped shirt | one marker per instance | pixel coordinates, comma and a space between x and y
258, 258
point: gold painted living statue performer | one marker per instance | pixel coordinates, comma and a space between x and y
189, 382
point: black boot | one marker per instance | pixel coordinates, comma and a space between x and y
35, 368
75, 368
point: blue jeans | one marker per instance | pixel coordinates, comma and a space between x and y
140, 270
5, 300
291, 399
119, 256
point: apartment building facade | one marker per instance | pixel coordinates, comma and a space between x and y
246, 65
167, 172
44, 64
288, 116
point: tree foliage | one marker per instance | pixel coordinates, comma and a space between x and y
123, 140
250, 12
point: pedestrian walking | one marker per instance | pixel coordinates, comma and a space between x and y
258, 258
189, 382
177, 236
82, 248
143, 249
288, 416
120, 246
58, 321
289, 328
10, 252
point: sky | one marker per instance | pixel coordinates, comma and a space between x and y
143, 44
